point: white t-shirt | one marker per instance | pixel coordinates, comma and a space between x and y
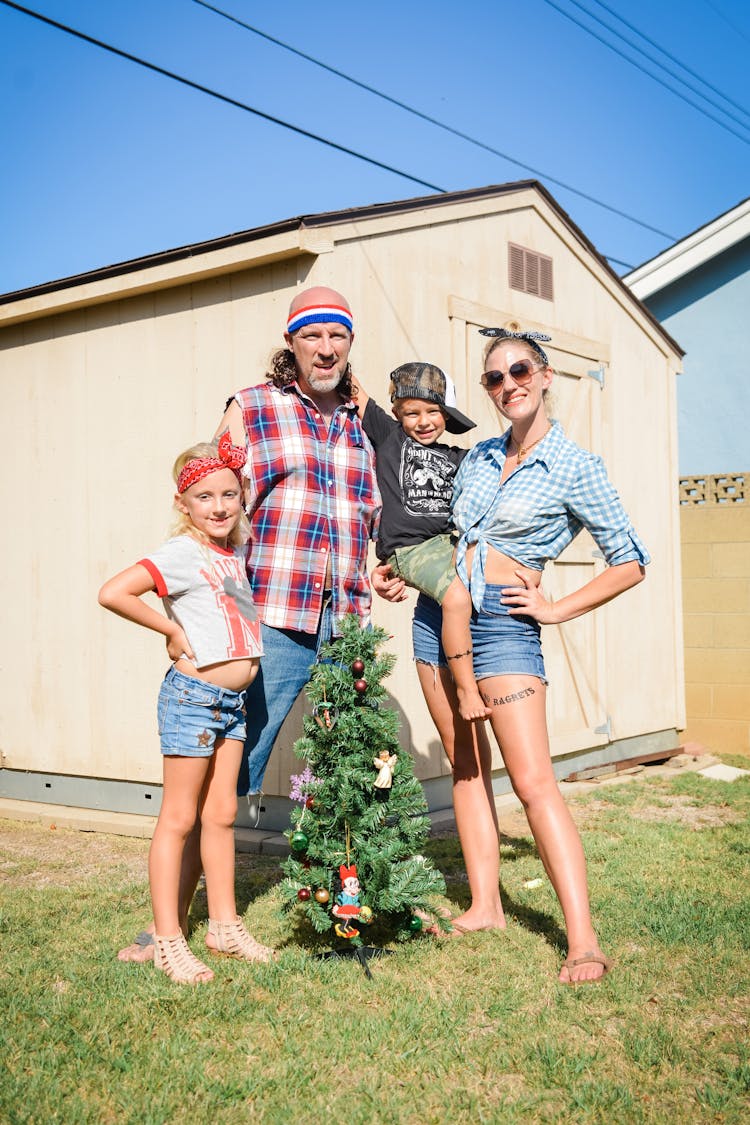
205, 590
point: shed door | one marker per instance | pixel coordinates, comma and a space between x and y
574, 653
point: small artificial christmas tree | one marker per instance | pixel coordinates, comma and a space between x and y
355, 862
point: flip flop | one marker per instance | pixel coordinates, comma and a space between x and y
459, 930
143, 940
590, 958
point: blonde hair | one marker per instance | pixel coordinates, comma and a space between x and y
182, 524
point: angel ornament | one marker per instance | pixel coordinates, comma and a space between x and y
384, 764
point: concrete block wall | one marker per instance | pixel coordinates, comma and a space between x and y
716, 603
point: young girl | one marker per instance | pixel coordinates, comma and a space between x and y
213, 637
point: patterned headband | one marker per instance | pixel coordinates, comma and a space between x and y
229, 457
319, 314
529, 338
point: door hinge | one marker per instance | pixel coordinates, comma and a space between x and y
605, 729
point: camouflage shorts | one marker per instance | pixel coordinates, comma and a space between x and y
428, 567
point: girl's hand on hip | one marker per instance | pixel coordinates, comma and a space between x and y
178, 645
527, 600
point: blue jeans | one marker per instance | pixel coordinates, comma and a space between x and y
288, 657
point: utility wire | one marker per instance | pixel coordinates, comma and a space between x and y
293, 128
658, 62
433, 120
638, 66
221, 97
737, 30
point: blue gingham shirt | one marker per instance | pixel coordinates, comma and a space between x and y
532, 517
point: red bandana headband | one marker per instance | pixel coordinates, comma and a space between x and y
229, 457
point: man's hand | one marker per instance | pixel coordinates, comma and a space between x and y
388, 585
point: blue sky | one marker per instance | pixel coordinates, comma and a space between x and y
105, 161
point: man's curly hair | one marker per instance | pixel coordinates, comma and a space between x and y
283, 371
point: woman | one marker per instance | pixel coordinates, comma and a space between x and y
519, 500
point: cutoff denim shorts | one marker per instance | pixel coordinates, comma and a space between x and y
193, 714
503, 645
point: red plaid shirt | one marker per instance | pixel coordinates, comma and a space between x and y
311, 497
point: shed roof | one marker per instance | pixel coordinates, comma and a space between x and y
691, 252
287, 238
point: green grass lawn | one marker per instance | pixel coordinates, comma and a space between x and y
470, 1029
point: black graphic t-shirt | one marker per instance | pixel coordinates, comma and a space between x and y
415, 481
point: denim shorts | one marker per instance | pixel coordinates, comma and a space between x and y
425, 632
193, 714
503, 645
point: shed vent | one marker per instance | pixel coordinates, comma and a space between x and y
530, 272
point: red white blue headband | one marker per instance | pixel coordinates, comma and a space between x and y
228, 457
319, 314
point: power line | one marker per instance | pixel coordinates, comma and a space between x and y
678, 63
658, 62
618, 262
737, 30
638, 66
304, 132
433, 120
221, 97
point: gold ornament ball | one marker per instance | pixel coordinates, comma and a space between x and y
322, 896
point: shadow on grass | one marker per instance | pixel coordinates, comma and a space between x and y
446, 854
257, 875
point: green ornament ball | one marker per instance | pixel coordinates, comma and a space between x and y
299, 841
415, 924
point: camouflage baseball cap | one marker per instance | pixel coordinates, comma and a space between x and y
428, 382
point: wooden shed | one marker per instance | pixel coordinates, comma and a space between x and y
107, 375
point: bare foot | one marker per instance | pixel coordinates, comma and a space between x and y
471, 705
584, 967
475, 922
141, 949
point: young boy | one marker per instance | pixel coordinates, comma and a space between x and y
415, 474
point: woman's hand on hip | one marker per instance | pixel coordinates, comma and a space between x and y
528, 600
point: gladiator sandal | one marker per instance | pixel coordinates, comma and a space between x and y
174, 956
233, 939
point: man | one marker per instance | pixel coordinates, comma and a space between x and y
313, 504
312, 501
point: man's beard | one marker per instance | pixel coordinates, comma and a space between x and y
324, 384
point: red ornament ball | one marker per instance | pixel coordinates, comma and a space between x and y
303, 894
310, 802
360, 686
358, 667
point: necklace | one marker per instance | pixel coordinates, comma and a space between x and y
524, 449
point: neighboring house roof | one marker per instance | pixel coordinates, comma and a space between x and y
289, 237
692, 252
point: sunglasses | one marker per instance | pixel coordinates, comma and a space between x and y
520, 373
